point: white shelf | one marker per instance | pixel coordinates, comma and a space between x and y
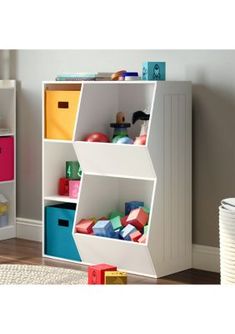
158, 173
57, 141
8, 121
57, 198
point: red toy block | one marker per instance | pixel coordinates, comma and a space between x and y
63, 186
124, 221
85, 226
138, 218
135, 236
96, 273
142, 239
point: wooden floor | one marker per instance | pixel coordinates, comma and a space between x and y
19, 251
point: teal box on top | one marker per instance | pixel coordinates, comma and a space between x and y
59, 241
154, 70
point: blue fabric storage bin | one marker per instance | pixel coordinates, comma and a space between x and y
59, 241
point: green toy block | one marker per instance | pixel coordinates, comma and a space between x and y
116, 222
146, 229
116, 214
73, 170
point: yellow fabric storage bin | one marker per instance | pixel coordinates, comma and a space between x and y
61, 110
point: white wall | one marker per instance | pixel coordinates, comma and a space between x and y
213, 77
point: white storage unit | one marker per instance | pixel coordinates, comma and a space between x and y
8, 131
159, 173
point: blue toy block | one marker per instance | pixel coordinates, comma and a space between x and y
125, 233
117, 234
103, 228
154, 70
129, 206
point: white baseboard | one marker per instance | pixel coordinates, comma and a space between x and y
29, 229
204, 257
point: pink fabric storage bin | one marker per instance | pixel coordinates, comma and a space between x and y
6, 158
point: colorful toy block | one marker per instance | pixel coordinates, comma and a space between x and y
116, 222
115, 214
85, 226
63, 186
127, 231
129, 206
117, 234
135, 236
74, 186
124, 221
96, 273
73, 170
115, 277
142, 239
103, 228
138, 218
154, 70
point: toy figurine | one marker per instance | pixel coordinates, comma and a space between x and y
141, 140
120, 127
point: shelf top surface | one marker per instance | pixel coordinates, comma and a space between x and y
121, 82
58, 198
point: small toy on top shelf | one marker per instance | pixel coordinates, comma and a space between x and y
63, 186
120, 134
115, 277
96, 272
97, 137
154, 70
3, 211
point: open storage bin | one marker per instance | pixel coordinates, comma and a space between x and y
61, 108
55, 156
98, 197
101, 101
59, 242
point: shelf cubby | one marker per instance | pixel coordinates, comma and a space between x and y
54, 167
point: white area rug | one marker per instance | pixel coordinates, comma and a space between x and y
32, 274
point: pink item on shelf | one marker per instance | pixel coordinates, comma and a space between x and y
6, 158
74, 186
142, 239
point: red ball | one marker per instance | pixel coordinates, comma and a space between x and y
97, 137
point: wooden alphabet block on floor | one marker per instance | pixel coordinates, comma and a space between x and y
115, 277
96, 273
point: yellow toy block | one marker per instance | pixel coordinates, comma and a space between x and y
115, 277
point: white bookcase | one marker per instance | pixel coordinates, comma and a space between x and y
8, 121
158, 173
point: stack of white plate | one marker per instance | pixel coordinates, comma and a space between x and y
227, 240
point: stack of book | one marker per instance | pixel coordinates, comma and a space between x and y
99, 76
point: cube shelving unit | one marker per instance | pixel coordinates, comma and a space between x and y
8, 121
158, 173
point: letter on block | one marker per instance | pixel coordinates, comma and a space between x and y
96, 273
115, 277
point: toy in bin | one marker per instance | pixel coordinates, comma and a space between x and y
3, 211
97, 137
143, 116
120, 133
